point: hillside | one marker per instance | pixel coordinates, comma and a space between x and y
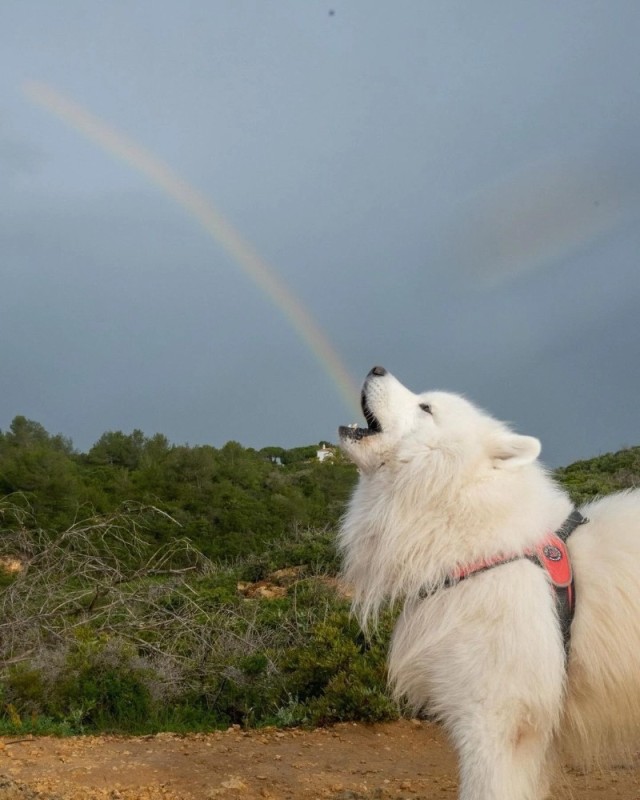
230, 502
601, 475
147, 586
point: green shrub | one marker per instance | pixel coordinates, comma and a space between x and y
24, 689
102, 698
340, 674
612, 472
355, 696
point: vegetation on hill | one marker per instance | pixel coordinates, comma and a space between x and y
230, 502
147, 586
103, 630
602, 475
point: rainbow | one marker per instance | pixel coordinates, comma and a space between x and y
200, 208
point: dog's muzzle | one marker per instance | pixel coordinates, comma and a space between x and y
373, 423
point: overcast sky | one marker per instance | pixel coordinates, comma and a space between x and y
452, 189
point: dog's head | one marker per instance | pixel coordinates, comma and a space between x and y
445, 429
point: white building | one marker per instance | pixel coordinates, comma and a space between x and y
324, 453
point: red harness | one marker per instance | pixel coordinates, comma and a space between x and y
551, 554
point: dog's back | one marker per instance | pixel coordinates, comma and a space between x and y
602, 715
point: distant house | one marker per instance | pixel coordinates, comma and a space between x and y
325, 452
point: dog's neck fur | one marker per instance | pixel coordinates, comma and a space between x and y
393, 547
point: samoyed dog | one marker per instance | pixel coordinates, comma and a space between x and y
449, 516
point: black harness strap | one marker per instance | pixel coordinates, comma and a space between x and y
574, 519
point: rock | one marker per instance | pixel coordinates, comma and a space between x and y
234, 783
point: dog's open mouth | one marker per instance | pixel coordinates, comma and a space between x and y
373, 424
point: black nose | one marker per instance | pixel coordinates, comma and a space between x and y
378, 371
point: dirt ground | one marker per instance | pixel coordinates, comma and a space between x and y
402, 760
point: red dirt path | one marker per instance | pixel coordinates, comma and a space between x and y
395, 761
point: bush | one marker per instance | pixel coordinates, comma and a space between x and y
612, 472
98, 683
102, 632
340, 675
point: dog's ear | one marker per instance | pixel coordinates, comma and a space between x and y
512, 450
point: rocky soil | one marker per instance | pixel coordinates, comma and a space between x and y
404, 760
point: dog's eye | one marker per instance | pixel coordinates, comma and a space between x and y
426, 407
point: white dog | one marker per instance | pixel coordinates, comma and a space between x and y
445, 493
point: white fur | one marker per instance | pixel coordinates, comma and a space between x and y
447, 486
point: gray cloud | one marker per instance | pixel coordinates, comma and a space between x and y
17, 156
452, 191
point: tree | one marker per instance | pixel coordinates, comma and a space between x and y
118, 449
26, 433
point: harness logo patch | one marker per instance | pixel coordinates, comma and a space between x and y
552, 552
